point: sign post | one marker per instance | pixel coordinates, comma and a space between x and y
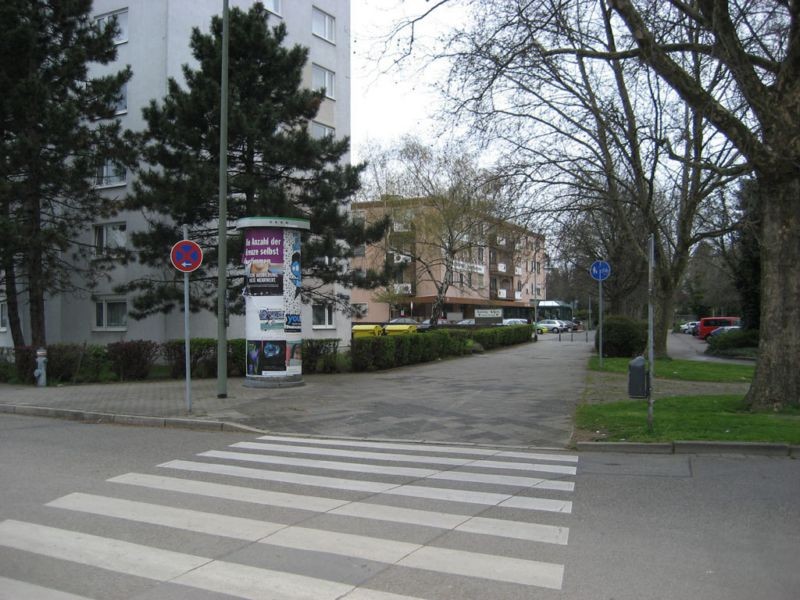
600, 270
186, 256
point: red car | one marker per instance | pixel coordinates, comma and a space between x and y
709, 324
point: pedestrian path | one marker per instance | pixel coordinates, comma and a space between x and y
309, 518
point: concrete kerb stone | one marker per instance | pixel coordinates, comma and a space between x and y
692, 447
731, 448
626, 447
193, 424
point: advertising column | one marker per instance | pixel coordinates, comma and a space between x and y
272, 279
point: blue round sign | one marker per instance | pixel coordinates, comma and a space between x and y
600, 270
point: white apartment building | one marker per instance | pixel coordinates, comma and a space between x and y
154, 41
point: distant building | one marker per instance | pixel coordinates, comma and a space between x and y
154, 41
501, 267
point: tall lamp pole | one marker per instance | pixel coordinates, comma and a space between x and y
222, 250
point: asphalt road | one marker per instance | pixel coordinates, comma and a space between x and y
621, 526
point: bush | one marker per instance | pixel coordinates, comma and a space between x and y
622, 337
730, 340
65, 363
237, 357
319, 355
202, 357
132, 360
7, 371
361, 353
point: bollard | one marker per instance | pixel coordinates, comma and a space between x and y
41, 367
638, 380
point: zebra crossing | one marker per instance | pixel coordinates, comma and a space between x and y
292, 518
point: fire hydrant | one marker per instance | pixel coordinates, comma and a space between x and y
41, 367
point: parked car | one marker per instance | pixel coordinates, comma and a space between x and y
403, 321
553, 325
709, 324
723, 330
688, 326
515, 322
466, 322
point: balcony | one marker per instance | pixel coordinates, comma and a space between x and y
400, 259
502, 294
403, 288
517, 295
518, 271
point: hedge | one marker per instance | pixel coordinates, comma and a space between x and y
729, 340
385, 352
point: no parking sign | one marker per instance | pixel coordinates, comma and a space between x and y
186, 256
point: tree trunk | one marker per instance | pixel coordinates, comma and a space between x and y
662, 326
12, 302
777, 379
36, 284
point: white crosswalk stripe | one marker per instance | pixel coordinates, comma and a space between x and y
429, 508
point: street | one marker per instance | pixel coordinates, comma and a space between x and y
110, 512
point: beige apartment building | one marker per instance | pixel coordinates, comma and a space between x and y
492, 263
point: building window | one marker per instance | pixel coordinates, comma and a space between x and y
110, 174
3, 315
360, 250
323, 25
319, 131
322, 78
111, 314
121, 105
109, 237
122, 24
322, 315
274, 6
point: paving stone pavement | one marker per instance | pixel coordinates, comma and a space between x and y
524, 395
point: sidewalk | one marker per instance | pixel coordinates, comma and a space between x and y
524, 395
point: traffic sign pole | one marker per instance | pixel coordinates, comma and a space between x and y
186, 331
600, 270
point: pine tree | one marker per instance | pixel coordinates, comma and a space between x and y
275, 167
56, 128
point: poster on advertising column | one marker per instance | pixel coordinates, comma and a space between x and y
263, 262
273, 327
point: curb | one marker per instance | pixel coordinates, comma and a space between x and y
677, 447
692, 447
132, 420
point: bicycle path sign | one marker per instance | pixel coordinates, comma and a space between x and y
600, 270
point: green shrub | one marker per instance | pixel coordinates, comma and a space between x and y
202, 357
741, 338
66, 363
361, 353
7, 371
402, 349
384, 351
237, 357
94, 365
132, 360
319, 355
622, 337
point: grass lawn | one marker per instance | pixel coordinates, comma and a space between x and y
686, 370
722, 418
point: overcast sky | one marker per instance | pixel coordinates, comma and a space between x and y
387, 105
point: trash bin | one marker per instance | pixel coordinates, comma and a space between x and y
638, 378
360, 331
400, 329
